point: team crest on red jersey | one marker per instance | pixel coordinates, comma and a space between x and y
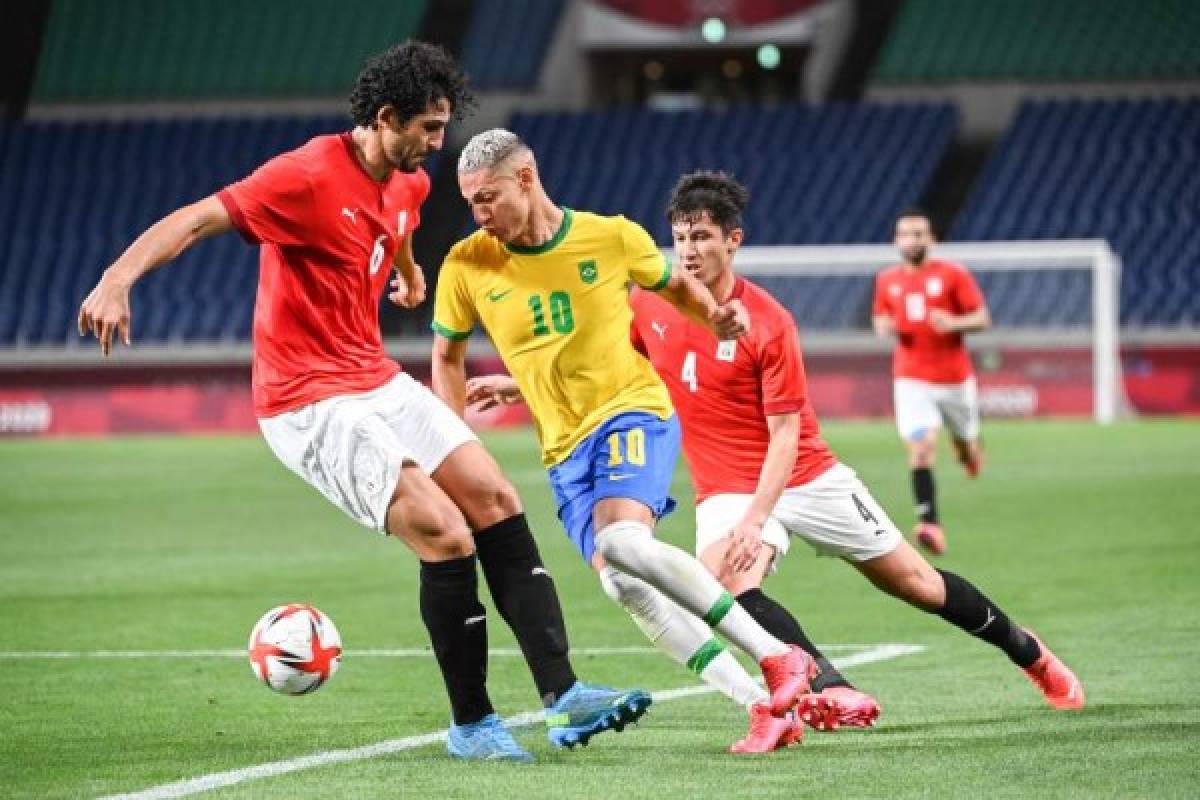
933, 286
726, 350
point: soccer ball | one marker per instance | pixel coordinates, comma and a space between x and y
294, 649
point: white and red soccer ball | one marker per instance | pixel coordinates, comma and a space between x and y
294, 649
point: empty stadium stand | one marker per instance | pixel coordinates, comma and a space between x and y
824, 175
1120, 170
939, 41
138, 50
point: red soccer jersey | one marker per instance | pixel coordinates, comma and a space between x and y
724, 391
907, 296
329, 234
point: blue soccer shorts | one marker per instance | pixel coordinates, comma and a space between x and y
631, 455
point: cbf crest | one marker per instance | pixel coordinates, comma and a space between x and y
588, 271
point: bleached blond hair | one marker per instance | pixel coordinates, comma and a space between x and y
489, 149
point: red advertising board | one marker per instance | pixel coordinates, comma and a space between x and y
1012, 383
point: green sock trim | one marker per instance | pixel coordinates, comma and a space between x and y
705, 655
719, 610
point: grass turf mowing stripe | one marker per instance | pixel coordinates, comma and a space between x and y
395, 652
217, 780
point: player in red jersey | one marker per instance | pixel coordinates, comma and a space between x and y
928, 304
762, 471
334, 218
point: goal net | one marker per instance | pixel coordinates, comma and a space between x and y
1052, 349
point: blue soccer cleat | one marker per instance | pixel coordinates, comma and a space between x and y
583, 711
486, 740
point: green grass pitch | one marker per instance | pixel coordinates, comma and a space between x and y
1088, 534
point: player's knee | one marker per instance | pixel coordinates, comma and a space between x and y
921, 455
621, 543
492, 499
434, 529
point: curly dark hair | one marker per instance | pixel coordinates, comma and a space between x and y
717, 193
409, 77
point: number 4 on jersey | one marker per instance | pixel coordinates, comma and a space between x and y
688, 375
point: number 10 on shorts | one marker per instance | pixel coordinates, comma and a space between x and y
635, 448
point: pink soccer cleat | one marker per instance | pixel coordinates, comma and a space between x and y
838, 706
1060, 686
787, 676
930, 536
769, 732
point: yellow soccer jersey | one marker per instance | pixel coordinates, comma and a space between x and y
559, 316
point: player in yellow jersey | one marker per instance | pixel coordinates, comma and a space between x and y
550, 286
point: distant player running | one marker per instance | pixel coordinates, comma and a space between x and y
928, 304
333, 218
549, 286
762, 471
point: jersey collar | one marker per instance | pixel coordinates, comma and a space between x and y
548, 245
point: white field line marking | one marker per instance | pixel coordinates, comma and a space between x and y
397, 652
217, 780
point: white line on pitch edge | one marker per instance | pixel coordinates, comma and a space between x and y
216, 780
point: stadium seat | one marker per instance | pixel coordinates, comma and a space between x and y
938, 41
150, 50
1120, 170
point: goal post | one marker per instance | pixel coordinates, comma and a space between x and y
1046, 297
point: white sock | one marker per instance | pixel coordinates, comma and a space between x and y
682, 636
631, 547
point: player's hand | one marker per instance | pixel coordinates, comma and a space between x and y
745, 545
105, 314
489, 391
730, 321
408, 292
941, 320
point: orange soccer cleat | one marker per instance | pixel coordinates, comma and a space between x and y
769, 732
838, 706
787, 676
970, 455
1060, 686
930, 536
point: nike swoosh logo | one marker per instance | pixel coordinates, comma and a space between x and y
618, 477
473, 620
539, 571
496, 297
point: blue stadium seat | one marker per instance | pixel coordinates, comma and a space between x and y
507, 41
818, 175
74, 195
1124, 171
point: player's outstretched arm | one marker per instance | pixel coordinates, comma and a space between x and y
450, 372
408, 283
689, 295
105, 312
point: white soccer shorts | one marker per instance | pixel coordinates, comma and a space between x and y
923, 406
351, 447
835, 514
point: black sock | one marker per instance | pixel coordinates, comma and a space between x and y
969, 609
457, 626
525, 596
779, 622
923, 491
